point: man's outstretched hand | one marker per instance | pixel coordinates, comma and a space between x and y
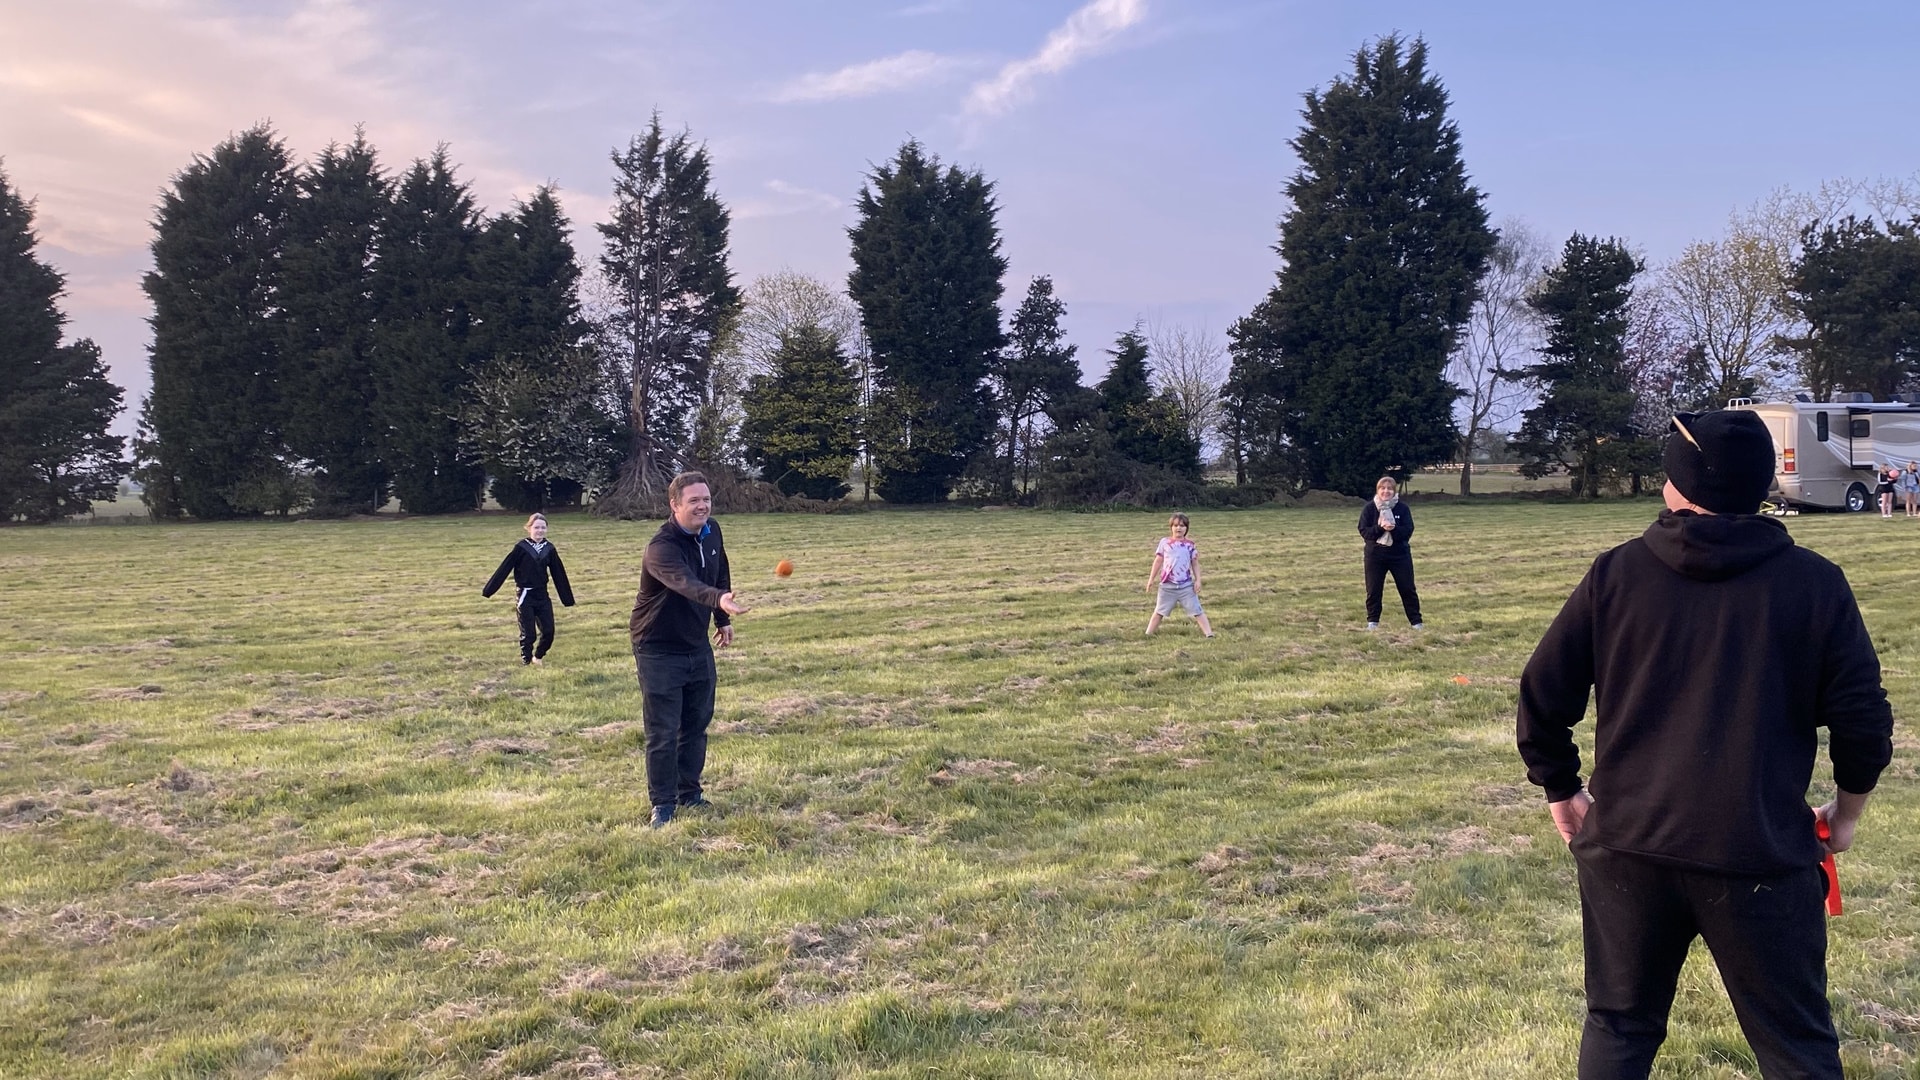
731, 606
1569, 815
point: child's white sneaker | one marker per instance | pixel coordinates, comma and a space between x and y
1373, 626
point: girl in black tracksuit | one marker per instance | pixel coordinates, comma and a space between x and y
529, 562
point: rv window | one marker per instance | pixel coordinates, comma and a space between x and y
1862, 428
1820, 426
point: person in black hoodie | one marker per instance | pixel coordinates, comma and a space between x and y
1716, 649
684, 580
529, 562
1387, 526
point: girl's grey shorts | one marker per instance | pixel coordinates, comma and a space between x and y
1182, 595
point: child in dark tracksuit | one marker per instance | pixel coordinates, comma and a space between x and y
529, 562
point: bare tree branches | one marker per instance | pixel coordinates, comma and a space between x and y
1189, 365
1498, 342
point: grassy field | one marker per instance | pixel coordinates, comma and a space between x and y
278, 799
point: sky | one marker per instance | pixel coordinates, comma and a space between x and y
1138, 148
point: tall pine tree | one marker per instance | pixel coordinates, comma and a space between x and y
803, 417
1033, 373
532, 419
1380, 255
927, 279
664, 260
56, 404
424, 358
1584, 422
331, 313
215, 409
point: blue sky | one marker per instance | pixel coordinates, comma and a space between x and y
1138, 146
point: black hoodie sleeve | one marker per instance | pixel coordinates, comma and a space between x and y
1402, 525
1553, 696
1852, 704
725, 578
1370, 523
560, 583
667, 563
500, 576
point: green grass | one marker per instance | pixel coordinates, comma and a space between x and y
278, 799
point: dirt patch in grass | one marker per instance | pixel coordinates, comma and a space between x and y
982, 769
508, 746
1465, 840
1891, 1019
268, 717
1220, 860
128, 693
610, 731
25, 810
348, 885
1168, 739
1506, 796
824, 963
587, 1063
653, 971
10, 698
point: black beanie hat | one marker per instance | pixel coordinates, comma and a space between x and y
1721, 461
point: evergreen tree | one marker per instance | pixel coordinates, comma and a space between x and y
215, 409
927, 279
665, 261
1584, 422
532, 418
1257, 406
803, 419
1380, 254
1146, 427
1857, 287
1035, 372
424, 358
56, 404
331, 314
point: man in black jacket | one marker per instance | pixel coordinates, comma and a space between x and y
683, 580
1716, 650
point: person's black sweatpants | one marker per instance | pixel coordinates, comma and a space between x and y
1378, 568
536, 613
1768, 937
676, 705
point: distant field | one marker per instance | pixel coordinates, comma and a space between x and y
278, 799
1487, 480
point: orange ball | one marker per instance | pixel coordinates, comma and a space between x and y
784, 568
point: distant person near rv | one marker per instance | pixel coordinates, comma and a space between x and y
1889, 476
1909, 486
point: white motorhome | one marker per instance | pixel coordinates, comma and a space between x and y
1825, 453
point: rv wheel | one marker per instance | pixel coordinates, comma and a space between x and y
1857, 499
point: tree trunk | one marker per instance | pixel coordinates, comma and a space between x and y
1466, 476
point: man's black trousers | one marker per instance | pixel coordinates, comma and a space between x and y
536, 613
676, 705
1768, 937
1378, 567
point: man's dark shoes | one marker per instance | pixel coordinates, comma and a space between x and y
661, 815
694, 802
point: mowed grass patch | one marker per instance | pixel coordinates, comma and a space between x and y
278, 799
